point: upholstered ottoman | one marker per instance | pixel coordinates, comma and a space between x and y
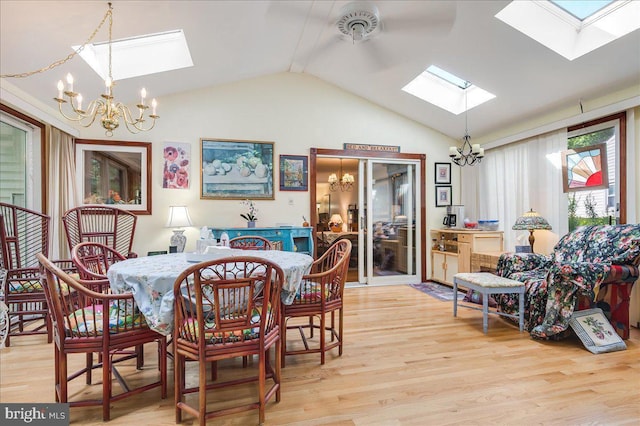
488, 284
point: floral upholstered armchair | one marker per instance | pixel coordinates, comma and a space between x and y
593, 266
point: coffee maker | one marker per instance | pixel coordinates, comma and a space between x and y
454, 217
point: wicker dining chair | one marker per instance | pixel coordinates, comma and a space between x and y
320, 294
89, 322
108, 225
250, 242
92, 261
23, 234
227, 308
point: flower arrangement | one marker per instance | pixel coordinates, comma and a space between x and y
251, 215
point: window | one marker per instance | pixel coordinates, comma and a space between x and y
600, 206
20, 162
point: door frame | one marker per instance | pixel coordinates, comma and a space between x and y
352, 153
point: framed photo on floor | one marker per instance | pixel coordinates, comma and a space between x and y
443, 195
443, 173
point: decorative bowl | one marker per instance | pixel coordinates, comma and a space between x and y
489, 225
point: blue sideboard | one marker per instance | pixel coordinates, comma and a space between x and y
294, 238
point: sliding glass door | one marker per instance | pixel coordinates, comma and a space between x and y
388, 223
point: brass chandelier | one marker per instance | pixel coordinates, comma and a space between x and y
345, 183
106, 110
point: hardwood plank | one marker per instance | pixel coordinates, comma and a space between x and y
406, 361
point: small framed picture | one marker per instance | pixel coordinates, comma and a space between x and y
443, 173
294, 173
443, 195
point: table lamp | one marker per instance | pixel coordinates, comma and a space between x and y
530, 221
178, 217
335, 223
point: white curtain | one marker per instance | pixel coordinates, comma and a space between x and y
515, 178
62, 194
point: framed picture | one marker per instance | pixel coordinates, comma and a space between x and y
443, 195
236, 170
115, 172
443, 173
595, 331
584, 169
294, 173
176, 172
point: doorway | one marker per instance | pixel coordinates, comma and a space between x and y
381, 212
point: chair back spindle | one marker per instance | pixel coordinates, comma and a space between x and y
111, 226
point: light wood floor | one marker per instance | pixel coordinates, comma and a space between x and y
406, 361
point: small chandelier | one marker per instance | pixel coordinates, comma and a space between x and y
106, 109
467, 154
345, 183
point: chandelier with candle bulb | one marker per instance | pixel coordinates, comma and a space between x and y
467, 154
345, 183
106, 110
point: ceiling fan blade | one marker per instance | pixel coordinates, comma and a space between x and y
437, 20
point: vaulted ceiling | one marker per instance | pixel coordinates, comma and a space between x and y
235, 40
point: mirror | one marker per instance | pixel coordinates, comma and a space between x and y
115, 172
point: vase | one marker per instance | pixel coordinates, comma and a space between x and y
251, 224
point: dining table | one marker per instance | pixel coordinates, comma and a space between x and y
151, 279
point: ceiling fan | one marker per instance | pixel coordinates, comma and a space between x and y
363, 23
359, 21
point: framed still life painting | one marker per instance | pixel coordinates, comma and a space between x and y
585, 168
236, 170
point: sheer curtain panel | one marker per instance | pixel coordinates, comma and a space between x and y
515, 178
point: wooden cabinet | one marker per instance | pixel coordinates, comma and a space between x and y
293, 238
457, 246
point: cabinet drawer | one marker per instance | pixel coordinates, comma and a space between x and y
465, 238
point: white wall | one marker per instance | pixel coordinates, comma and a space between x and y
295, 111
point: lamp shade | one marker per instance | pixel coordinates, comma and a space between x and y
531, 220
178, 217
336, 218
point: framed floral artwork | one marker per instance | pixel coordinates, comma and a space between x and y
177, 165
442, 173
294, 171
443, 195
584, 169
236, 169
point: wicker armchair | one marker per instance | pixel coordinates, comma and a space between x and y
23, 234
92, 261
79, 324
320, 294
227, 308
111, 226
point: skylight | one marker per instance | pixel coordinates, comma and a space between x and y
582, 9
572, 28
136, 56
446, 91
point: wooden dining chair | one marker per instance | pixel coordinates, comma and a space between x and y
92, 261
89, 322
250, 242
320, 294
23, 234
227, 308
108, 225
